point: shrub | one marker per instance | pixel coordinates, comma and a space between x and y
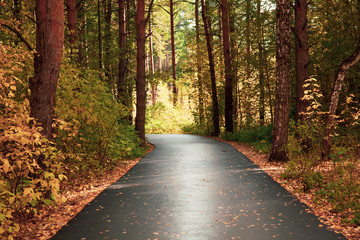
99, 133
30, 165
260, 137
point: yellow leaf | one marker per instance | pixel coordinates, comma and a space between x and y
11, 200
6, 166
27, 191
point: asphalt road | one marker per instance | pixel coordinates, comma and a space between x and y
191, 187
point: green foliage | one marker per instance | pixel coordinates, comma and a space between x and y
99, 133
260, 137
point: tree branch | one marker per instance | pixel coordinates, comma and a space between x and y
20, 36
149, 11
163, 9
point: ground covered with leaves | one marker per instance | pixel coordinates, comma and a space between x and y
324, 210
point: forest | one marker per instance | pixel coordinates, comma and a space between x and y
84, 81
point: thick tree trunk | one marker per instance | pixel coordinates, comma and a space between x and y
261, 67
215, 117
283, 81
49, 48
198, 65
334, 100
173, 59
140, 73
122, 93
229, 124
302, 57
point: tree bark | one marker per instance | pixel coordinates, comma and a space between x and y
82, 41
72, 19
49, 50
334, 100
234, 61
152, 66
248, 69
99, 36
229, 124
198, 65
283, 82
173, 59
261, 67
215, 117
140, 73
107, 43
302, 57
122, 56
17, 16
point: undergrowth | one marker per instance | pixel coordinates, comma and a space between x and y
337, 180
89, 136
259, 137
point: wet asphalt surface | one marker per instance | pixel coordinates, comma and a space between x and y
191, 187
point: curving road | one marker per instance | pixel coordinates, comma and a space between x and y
191, 187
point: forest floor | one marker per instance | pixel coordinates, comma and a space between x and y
48, 222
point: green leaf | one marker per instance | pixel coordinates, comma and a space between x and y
47, 202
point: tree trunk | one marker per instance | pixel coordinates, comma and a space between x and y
267, 77
302, 57
234, 61
261, 67
229, 124
49, 50
99, 35
17, 16
140, 73
107, 43
198, 65
82, 41
248, 69
151, 58
72, 19
122, 95
334, 100
173, 59
215, 117
283, 82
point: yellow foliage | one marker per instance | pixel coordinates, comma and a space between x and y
30, 165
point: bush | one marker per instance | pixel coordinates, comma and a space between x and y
99, 132
30, 165
260, 137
